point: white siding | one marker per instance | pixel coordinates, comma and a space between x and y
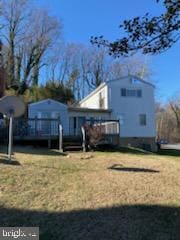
128, 108
81, 116
132, 107
93, 100
52, 107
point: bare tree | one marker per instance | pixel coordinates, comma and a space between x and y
2, 73
83, 68
93, 67
135, 65
13, 15
40, 39
63, 66
175, 107
29, 33
168, 121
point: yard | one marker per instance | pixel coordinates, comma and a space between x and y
121, 195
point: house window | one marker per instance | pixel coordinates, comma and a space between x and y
139, 93
55, 115
101, 100
123, 92
44, 115
131, 92
142, 119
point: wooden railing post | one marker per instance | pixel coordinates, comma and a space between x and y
118, 132
60, 138
10, 137
84, 138
58, 122
118, 127
35, 122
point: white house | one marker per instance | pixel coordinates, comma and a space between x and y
71, 118
129, 99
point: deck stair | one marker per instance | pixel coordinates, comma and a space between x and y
72, 143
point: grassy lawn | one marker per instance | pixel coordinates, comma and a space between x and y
124, 195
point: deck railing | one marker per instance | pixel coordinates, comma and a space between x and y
104, 126
35, 127
29, 127
102, 132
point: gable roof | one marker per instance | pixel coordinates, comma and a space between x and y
132, 76
93, 92
48, 100
112, 80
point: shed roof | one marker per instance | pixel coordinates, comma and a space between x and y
82, 109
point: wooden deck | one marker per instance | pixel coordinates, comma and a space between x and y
47, 131
69, 143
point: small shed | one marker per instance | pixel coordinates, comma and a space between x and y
50, 109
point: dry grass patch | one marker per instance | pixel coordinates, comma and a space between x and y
84, 195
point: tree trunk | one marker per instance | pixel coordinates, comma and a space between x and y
11, 62
35, 75
2, 74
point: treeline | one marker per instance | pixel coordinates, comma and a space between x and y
36, 59
168, 120
82, 68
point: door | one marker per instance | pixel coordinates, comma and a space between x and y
72, 125
81, 122
75, 124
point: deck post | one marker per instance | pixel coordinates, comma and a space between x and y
118, 127
60, 138
36, 126
118, 132
84, 139
59, 121
10, 137
49, 143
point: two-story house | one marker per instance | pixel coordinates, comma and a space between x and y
128, 99
131, 100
